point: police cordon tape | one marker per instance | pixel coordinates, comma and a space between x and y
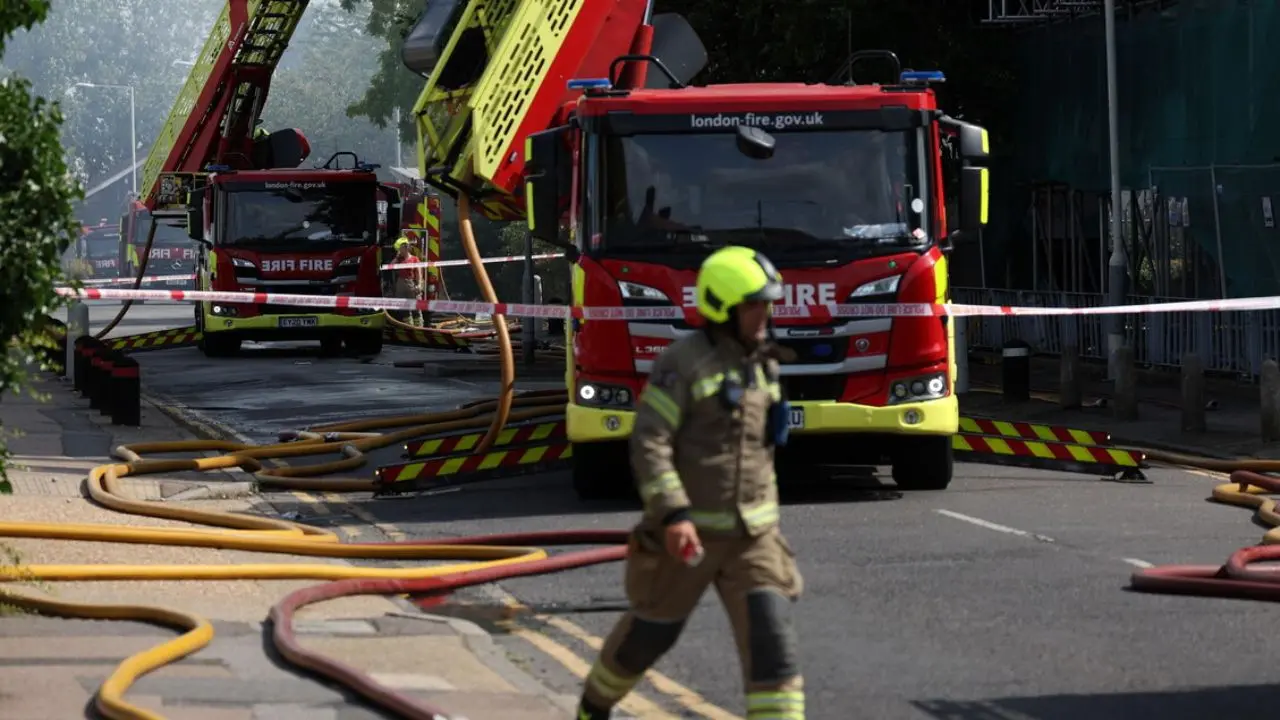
388, 266
667, 312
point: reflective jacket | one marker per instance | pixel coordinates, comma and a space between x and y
700, 449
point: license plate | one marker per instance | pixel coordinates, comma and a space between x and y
796, 420
299, 322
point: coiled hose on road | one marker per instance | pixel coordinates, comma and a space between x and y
1239, 577
486, 558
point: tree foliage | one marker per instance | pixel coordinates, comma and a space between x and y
148, 45
36, 211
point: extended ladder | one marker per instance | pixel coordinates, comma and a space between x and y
215, 112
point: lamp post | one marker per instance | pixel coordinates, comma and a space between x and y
133, 123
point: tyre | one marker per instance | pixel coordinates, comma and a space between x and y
219, 344
368, 342
601, 471
924, 463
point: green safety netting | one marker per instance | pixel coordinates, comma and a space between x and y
1198, 87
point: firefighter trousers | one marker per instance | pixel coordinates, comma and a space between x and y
757, 581
409, 290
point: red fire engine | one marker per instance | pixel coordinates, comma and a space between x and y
263, 224
639, 176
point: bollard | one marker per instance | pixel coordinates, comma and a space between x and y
1126, 386
77, 327
1270, 401
1070, 383
100, 392
1193, 415
962, 354
1015, 371
126, 392
91, 348
79, 363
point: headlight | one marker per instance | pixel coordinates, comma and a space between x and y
635, 291
601, 395
915, 389
225, 311
883, 286
353, 261
241, 262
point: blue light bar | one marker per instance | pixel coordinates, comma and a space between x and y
590, 84
922, 77
217, 168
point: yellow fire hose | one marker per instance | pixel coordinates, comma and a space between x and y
240, 532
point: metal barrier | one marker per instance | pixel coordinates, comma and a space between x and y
1229, 342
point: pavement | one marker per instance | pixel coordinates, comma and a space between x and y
52, 666
1002, 597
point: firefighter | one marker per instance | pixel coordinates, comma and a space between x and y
702, 451
409, 281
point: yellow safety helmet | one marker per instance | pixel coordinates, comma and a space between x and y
401, 242
260, 133
734, 275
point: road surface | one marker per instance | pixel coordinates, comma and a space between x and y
1003, 597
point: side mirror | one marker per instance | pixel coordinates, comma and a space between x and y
547, 165
195, 215
975, 185
755, 143
975, 144
395, 210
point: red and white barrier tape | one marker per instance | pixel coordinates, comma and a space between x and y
660, 312
452, 263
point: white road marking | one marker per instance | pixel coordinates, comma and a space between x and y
994, 526
1138, 563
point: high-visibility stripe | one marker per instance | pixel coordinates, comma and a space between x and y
1091, 454
784, 705
662, 404
462, 443
159, 338
461, 465
609, 684
666, 482
1031, 431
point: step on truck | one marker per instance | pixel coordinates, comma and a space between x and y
639, 175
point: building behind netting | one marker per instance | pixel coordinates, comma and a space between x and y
1199, 93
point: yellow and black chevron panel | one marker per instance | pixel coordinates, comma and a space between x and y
1049, 455
437, 473
158, 340
455, 443
1031, 431
422, 337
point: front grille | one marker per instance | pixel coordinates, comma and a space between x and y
273, 309
817, 351
813, 387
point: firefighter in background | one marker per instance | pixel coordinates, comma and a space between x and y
410, 282
702, 451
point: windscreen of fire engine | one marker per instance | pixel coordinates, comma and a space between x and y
102, 244
292, 217
850, 189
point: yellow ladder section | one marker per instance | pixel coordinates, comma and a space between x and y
269, 26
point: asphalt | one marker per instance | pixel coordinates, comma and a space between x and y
1003, 597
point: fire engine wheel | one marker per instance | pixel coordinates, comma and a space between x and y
368, 342
924, 463
601, 471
